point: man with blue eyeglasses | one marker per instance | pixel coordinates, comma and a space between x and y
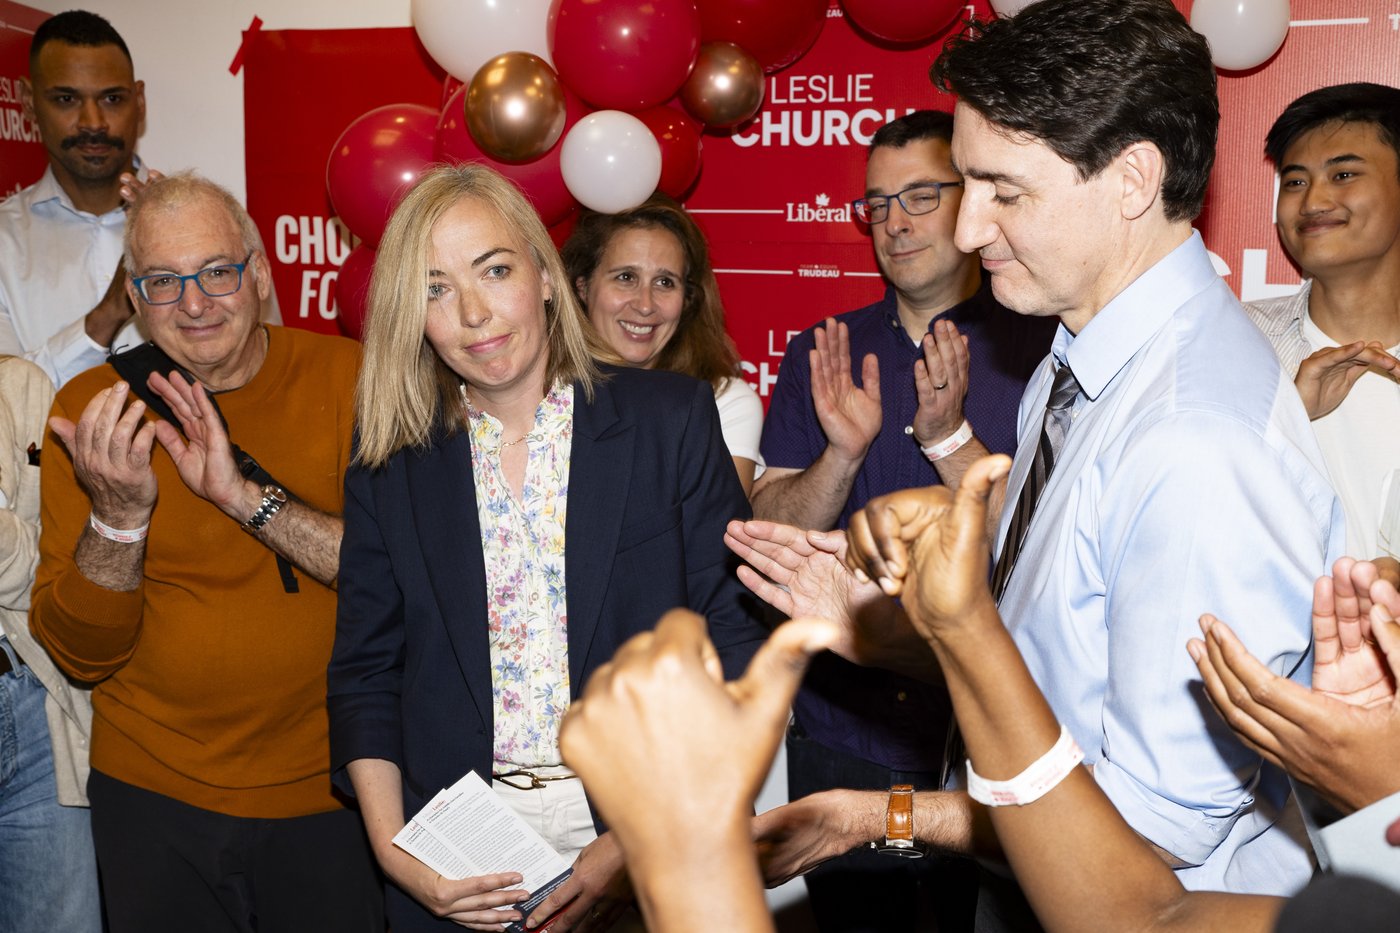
942, 367
198, 599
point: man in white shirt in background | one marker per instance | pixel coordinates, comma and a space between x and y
1337, 151
62, 300
62, 290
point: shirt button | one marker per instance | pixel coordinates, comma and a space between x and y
908, 429
901, 696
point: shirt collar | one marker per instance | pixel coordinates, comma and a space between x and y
1115, 334
49, 194
1295, 308
971, 308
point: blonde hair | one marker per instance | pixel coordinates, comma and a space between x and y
405, 389
171, 192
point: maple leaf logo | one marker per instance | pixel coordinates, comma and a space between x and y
823, 200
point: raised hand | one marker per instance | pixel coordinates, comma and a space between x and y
929, 545
204, 456
850, 415
940, 379
1343, 736
802, 573
111, 451
1346, 662
1325, 378
673, 758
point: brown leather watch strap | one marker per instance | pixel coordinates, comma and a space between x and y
899, 816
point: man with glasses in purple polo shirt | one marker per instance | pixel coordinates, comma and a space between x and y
941, 371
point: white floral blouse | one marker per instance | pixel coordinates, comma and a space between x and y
523, 546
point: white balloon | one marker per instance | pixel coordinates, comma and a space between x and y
463, 35
1241, 33
1010, 7
611, 162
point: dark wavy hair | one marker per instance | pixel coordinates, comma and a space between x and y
75, 27
1361, 102
912, 128
700, 347
1091, 77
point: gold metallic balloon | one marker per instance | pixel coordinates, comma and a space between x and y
515, 107
726, 86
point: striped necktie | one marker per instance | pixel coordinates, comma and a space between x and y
1052, 439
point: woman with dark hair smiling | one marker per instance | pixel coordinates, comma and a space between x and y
644, 281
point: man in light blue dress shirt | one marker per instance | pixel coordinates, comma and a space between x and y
1188, 480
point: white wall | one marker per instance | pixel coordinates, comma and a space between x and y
182, 51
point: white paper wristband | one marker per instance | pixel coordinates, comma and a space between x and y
1039, 778
950, 444
119, 535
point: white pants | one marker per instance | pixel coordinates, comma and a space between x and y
558, 811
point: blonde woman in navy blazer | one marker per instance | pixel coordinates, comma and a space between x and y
471, 311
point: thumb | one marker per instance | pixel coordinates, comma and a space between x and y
1386, 632
970, 502
65, 430
870, 375
771, 681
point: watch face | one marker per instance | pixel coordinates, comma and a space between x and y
904, 851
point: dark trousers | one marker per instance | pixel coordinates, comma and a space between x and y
168, 866
864, 891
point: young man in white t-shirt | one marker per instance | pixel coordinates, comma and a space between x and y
1337, 151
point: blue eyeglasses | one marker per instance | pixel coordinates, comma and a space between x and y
166, 288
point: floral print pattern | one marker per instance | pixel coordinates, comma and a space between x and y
522, 542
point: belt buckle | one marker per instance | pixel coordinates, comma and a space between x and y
536, 782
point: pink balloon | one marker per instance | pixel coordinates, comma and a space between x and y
624, 54
352, 290
541, 180
903, 20
775, 33
679, 138
374, 163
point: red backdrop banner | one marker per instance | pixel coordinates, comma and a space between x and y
774, 195
22, 157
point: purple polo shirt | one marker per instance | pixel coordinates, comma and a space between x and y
874, 714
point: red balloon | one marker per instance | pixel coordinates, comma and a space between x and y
903, 20
776, 34
374, 163
624, 54
352, 290
679, 138
541, 180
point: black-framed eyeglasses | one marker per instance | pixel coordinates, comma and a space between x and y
916, 200
166, 288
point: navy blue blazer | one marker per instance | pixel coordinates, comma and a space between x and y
651, 486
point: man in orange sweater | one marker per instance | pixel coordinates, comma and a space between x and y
160, 582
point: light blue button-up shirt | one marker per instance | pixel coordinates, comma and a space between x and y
1189, 482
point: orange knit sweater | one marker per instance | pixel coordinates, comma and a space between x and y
211, 680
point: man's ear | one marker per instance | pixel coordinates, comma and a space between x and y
1143, 169
581, 290
262, 272
139, 90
